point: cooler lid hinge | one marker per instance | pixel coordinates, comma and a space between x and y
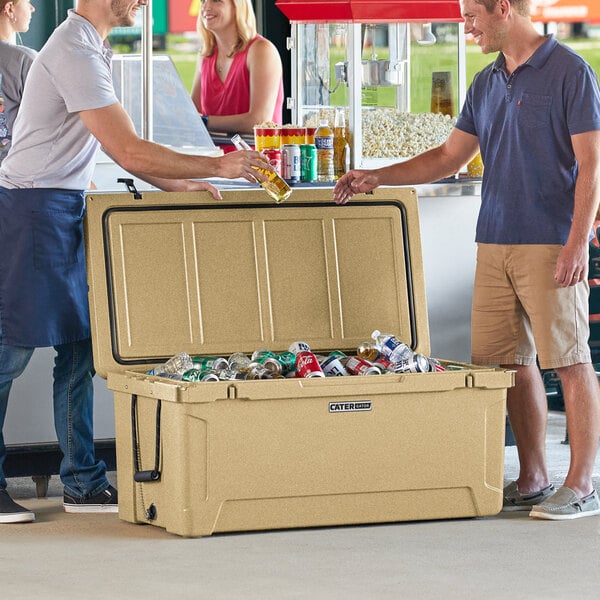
231, 392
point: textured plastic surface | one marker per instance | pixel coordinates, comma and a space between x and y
177, 272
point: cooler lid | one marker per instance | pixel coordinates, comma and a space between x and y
179, 272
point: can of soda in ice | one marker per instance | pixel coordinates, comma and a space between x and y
210, 363
307, 365
299, 346
417, 363
360, 366
332, 367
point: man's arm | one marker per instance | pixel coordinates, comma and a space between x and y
572, 264
113, 128
440, 162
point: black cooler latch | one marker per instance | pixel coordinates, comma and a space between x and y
130, 187
154, 474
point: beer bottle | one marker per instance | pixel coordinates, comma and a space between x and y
341, 148
275, 186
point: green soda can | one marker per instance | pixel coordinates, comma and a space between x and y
337, 353
288, 361
210, 363
308, 162
198, 375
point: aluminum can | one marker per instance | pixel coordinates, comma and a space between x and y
308, 162
239, 361
360, 366
299, 346
290, 162
199, 375
262, 353
384, 364
210, 363
307, 365
288, 362
273, 155
229, 374
417, 363
435, 365
332, 367
258, 371
271, 363
338, 353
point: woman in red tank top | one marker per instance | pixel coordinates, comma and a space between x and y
238, 81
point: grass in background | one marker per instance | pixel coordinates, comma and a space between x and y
440, 57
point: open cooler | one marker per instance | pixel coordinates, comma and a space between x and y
179, 272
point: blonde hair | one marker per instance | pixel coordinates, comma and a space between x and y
245, 21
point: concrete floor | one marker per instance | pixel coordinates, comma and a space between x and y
506, 556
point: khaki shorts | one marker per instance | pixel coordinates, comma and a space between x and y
519, 312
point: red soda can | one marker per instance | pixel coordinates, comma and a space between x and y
307, 365
273, 155
360, 366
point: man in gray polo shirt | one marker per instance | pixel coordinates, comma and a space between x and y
68, 109
535, 114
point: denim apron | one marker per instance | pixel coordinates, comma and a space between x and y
43, 287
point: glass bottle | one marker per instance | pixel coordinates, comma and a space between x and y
341, 147
275, 186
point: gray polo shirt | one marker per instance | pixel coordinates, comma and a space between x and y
524, 123
51, 146
15, 62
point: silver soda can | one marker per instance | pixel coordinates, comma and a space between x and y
333, 367
228, 374
417, 363
239, 361
299, 347
360, 366
290, 162
435, 365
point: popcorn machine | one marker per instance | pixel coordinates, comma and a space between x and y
397, 67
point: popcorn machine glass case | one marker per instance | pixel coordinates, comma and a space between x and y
396, 67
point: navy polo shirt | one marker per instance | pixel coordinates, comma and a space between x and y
524, 123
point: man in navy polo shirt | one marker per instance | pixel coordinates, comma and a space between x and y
535, 115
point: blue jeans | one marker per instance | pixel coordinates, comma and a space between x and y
73, 394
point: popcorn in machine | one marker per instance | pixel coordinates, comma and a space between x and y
396, 67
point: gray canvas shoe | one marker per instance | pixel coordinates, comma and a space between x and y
566, 504
514, 500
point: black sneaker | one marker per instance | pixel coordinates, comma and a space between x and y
105, 501
11, 512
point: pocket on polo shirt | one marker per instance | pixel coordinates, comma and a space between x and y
534, 110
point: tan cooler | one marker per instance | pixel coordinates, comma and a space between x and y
171, 273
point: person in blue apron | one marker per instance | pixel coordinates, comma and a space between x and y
68, 109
